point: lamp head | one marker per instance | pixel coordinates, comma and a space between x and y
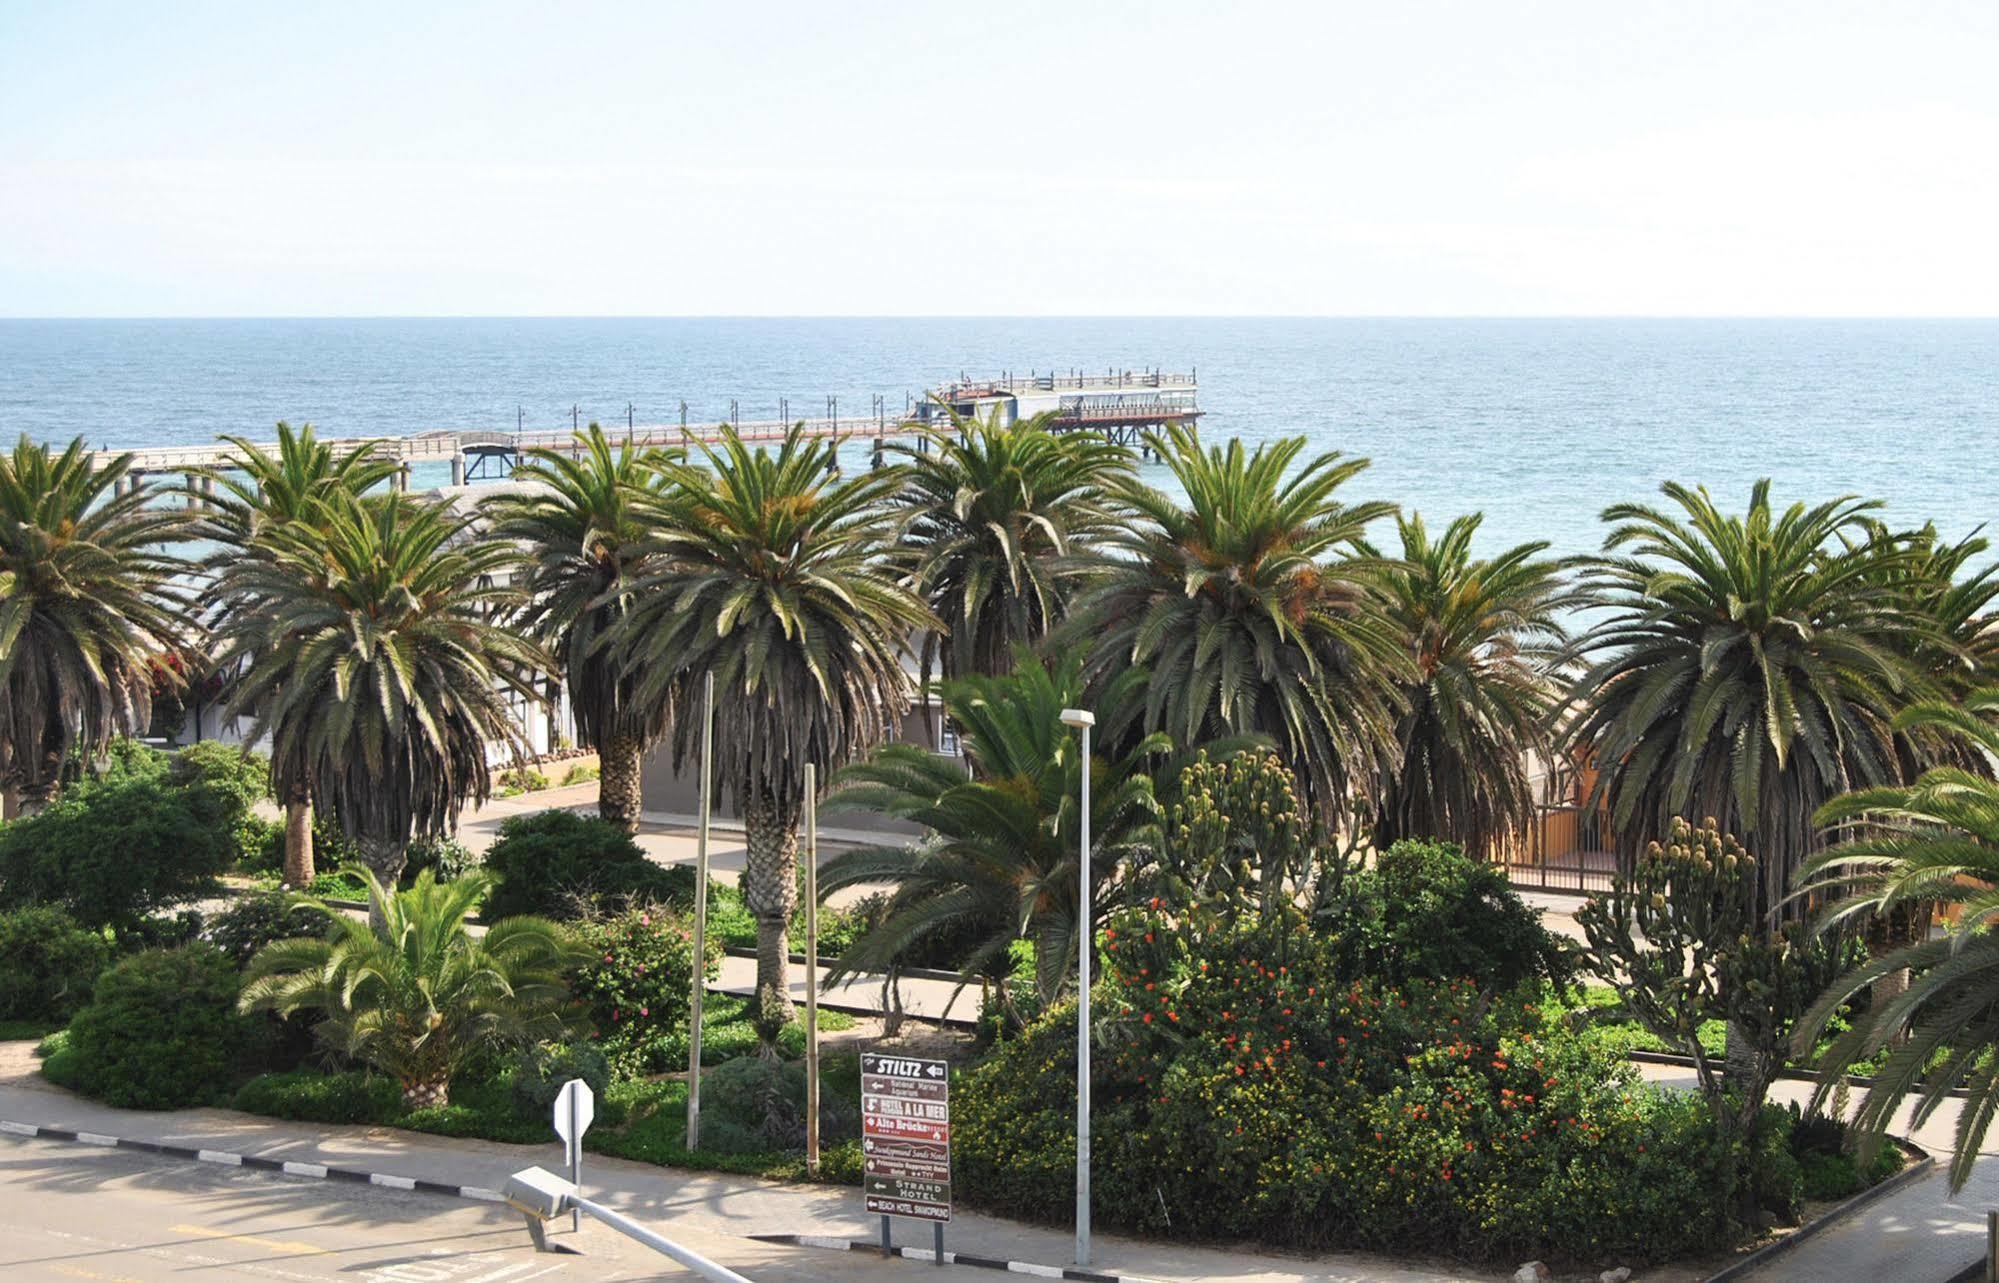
1078, 717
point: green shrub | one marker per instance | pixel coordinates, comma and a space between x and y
559, 864
447, 857
48, 964
243, 779
308, 1096
260, 918
539, 1073
751, 1105
161, 1030
338, 884
524, 779
114, 851
1428, 911
635, 984
1248, 1088
581, 773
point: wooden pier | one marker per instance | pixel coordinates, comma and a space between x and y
1120, 404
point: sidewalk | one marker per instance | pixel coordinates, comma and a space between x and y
1919, 1233
708, 1202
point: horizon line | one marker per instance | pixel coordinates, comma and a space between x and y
1012, 316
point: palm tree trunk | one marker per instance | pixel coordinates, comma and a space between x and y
770, 892
298, 841
618, 780
385, 858
31, 800
427, 1095
10, 801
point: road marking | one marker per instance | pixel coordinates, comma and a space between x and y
275, 1245
78, 1272
220, 1156
391, 1182
304, 1169
93, 1138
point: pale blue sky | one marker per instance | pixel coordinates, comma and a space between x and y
860, 158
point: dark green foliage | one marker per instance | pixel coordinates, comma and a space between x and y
559, 864
308, 1096
240, 776
540, 1071
634, 986
48, 964
258, 919
116, 850
161, 1031
1428, 911
1244, 1089
753, 1104
446, 857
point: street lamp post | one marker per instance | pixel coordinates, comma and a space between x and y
1083, 720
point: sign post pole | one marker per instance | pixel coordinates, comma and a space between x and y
1082, 720
811, 969
700, 916
575, 1110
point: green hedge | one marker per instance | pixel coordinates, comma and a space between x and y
1248, 1089
48, 964
161, 1031
558, 864
635, 986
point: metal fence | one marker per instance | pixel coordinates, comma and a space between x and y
1565, 849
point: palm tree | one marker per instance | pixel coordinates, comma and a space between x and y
1933, 842
411, 991
1252, 611
998, 513
260, 493
1482, 634
1746, 669
775, 576
999, 861
377, 668
93, 599
581, 525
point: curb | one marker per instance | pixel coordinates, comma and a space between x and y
952, 1258
224, 1158
1762, 1256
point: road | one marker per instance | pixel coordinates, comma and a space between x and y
68, 1212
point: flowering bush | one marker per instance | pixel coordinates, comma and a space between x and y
635, 987
1246, 1089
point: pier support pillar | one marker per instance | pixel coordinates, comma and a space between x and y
208, 493
193, 492
403, 477
458, 469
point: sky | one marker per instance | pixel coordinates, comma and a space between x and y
1322, 158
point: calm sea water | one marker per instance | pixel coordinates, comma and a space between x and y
1538, 423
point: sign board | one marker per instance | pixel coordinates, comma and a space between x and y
906, 1136
575, 1110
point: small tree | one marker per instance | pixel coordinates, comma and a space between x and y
1682, 938
1236, 838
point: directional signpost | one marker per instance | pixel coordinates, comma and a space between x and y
575, 1110
906, 1140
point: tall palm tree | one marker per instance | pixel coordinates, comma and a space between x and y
93, 598
777, 577
258, 493
1252, 610
378, 667
581, 525
999, 861
1482, 634
1746, 668
997, 514
1933, 842
412, 991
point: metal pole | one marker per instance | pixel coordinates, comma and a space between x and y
688, 1257
575, 1158
1088, 944
812, 968
1992, 1247
700, 916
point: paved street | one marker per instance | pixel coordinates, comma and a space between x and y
71, 1212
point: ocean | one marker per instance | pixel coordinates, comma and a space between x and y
1537, 423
